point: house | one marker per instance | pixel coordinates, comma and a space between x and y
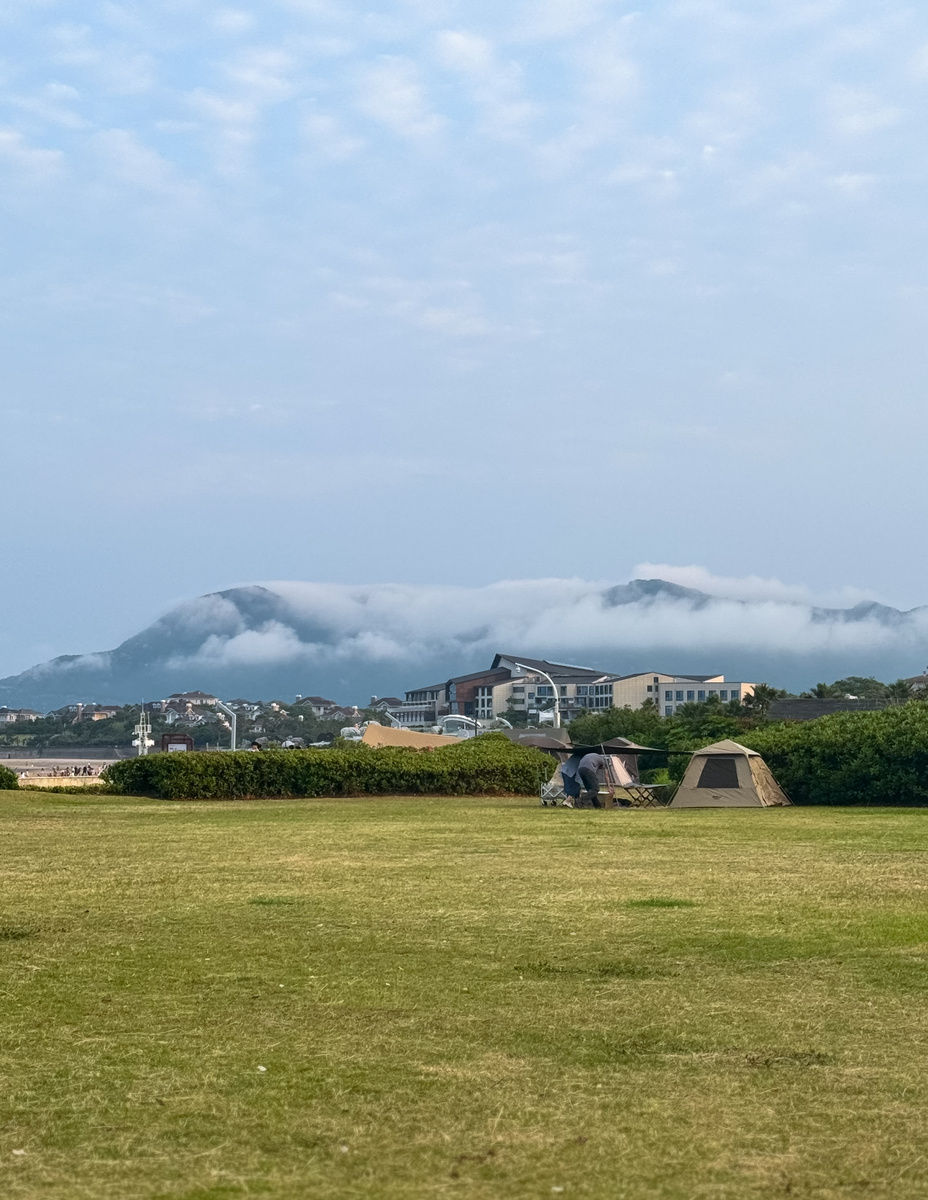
384, 703
99, 712
9, 716
318, 705
197, 699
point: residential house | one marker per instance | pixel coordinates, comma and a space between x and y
9, 716
197, 699
100, 712
318, 705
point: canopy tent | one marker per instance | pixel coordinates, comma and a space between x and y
728, 775
386, 735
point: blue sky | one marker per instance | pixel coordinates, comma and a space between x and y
442, 292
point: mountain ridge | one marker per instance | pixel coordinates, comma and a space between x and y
282, 639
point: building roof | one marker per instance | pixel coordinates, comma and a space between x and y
316, 700
555, 670
191, 696
501, 674
809, 709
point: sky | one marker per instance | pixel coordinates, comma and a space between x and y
445, 293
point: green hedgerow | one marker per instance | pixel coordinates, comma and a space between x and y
489, 765
851, 758
9, 780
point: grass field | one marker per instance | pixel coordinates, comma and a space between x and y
476, 998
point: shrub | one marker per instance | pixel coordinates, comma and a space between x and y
490, 765
851, 758
9, 780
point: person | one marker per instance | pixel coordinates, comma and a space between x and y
581, 773
570, 779
588, 770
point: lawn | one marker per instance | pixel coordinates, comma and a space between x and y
477, 998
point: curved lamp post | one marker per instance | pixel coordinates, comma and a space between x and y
557, 697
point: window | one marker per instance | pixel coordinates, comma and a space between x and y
668, 710
668, 695
650, 689
563, 691
713, 692
582, 690
719, 773
656, 680
702, 695
736, 695
691, 695
518, 689
679, 695
723, 695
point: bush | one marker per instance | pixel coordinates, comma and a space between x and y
9, 780
490, 765
851, 758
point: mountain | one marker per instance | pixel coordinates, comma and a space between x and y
349, 642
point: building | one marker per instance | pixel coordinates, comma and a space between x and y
810, 709
197, 699
99, 712
9, 716
519, 684
318, 705
422, 706
678, 690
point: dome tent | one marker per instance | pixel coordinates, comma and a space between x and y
728, 775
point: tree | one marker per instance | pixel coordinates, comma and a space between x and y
899, 692
758, 705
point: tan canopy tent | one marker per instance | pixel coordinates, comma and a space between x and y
728, 775
388, 735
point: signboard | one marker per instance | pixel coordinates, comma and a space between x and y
173, 742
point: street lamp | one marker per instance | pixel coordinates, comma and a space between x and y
557, 698
233, 721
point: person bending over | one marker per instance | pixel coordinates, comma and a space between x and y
581, 771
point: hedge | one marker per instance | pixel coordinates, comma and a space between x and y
878, 758
9, 780
490, 765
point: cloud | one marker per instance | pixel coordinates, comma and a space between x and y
392, 93
128, 160
496, 88
30, 163
554, 618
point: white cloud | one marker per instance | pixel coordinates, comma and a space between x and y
497, 88
30, 163
127, 160
392, 93
550, 617
745, 587
856, 112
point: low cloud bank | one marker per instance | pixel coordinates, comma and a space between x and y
407, 624
349, 641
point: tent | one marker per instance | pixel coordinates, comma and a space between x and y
387, 735
728, 775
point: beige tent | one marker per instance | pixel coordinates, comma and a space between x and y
728, 775
389, 735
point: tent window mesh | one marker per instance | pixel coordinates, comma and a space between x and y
719, 773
